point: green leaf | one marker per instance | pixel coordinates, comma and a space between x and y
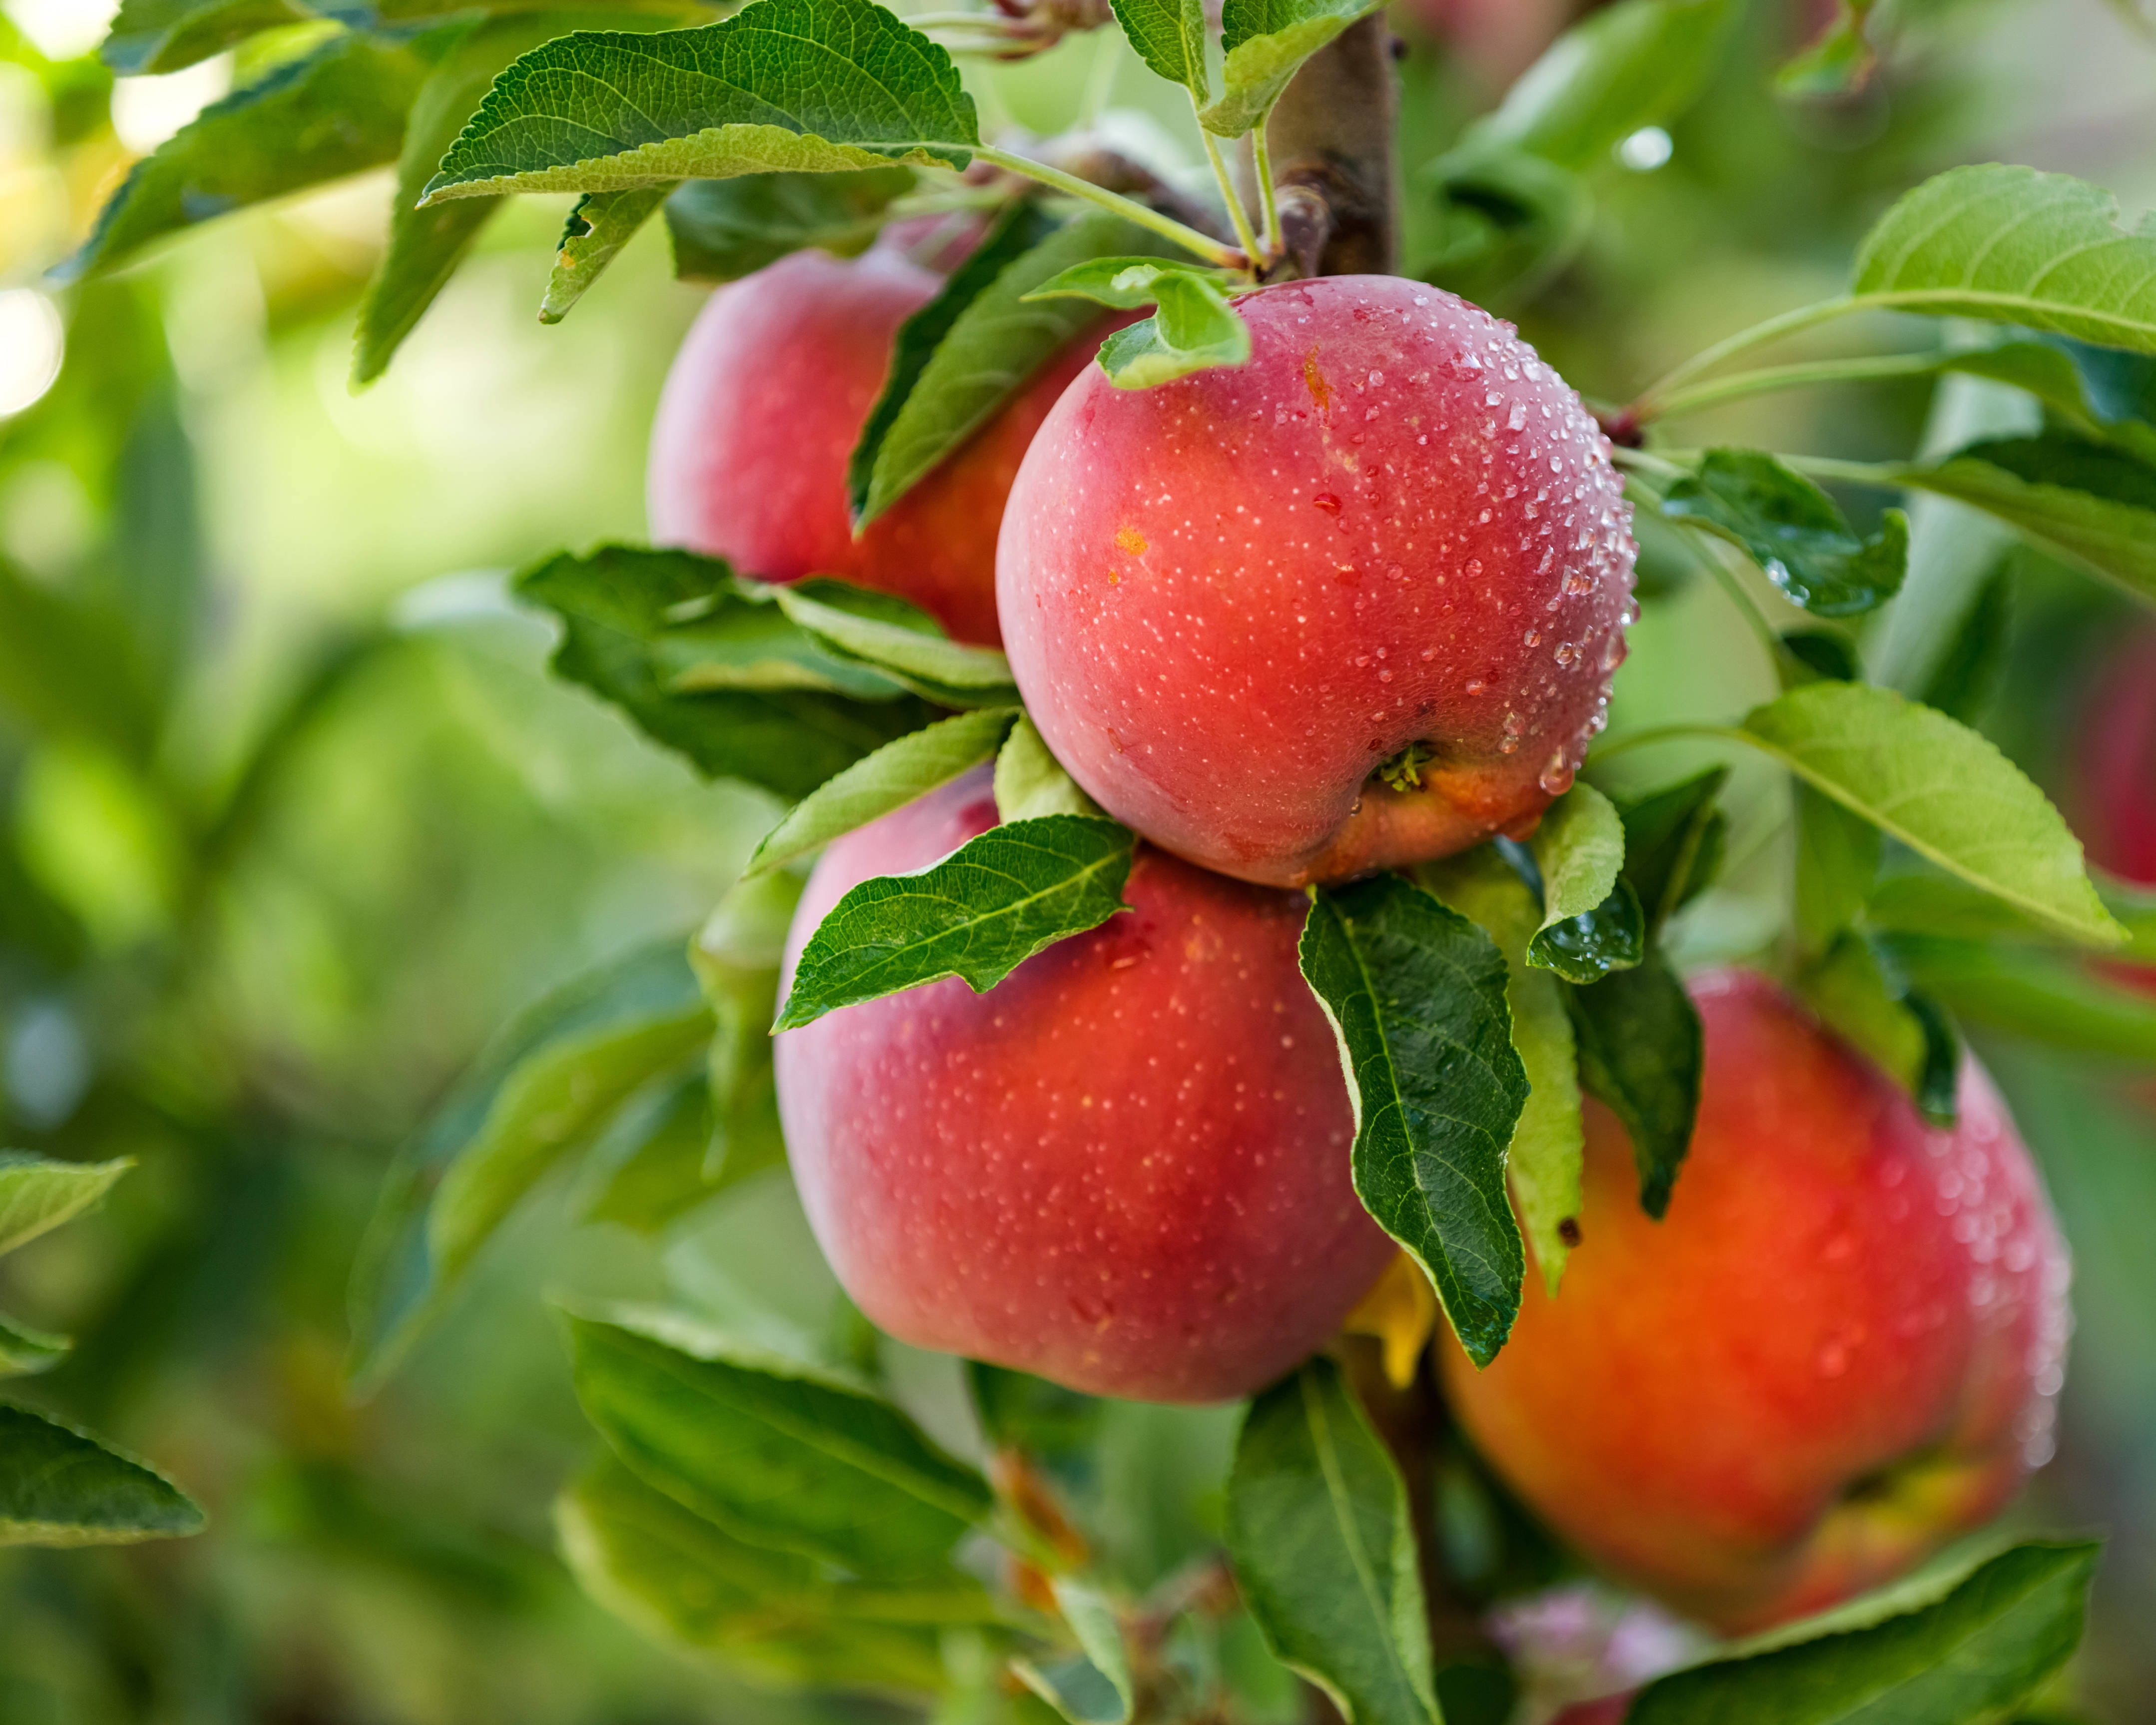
547, 1090
24, 1351
1984, 1646
1095, 1686
166, 35
1170, 36
1196, 329
1415, 993
897, 640
778, 1616
2013, 245
1638, 63
427, 245
2043, 997
1019, 1411
725, 229
894, 776
1837, 861
652, 1166
1031, 782
61, 1487
2090, 503
1793, 531
1962, 682
1266, 42
978, 914
737, 953
772, 1452
1924, 903
37, 1194
1641, 1051
600, 224
1674, 840
1840, 63
2102, 394
1322, 1539
1591, 922
331, 112
1903, 1031
793, 86
1940, 789
710, 667
1542, 1162
1807, 655
965, 354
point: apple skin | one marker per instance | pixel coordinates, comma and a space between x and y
1229, 599
1840, 1349
1126, 1168
2115, 762
760, 414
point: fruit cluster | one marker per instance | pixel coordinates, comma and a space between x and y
1353, 605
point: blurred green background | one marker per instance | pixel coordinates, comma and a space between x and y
291, 819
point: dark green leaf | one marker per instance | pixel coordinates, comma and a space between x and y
725, 229
1031, 782
1811, 654
777, 1615
2046, 998
1638, 63
1586, 948
329, 113
2091, 504
1320, 1533
898, 640
1416, 994
37, 1193
548, 1087
962, 356
24, 1351
1673, 843
783, 86
774, 1452
2102, 394
1195, 329
1907, 1035
2013, 245
165, 35
978, 914
710, 666
61, 1487
1170, 36
1019, 1411
1640, 1051
1793, 531
600, 224
894, 776
1265, 43
1837, 861
1982, 1647
1944, 790
1962, 682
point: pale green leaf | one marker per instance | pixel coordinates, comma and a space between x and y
600, 224
24, 1351
1031, 782
37, 1193
898, 640
1195, 329
1266, 42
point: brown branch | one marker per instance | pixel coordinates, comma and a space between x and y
1331, 142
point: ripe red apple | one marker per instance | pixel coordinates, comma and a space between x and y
760, 414
1231, 598
1840, 1349
2115, 762
1125, 1168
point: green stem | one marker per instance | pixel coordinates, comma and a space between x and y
1650, 401
1261, 165
1798, 377
1648, 462
1203, 245
1237, 214
1885, 476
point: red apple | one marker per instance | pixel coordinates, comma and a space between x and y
1125, 1168
760, 416
2115, 762
1231, 598
1840, 1349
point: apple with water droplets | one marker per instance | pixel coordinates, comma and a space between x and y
1126, 1167
1356, 603
1840, 1349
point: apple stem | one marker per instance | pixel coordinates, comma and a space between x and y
1869, 368
1237, 214
1203, 245
1652, 401
1261, 165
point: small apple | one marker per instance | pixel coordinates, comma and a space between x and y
1126, 1168
759, 417
1840, 1349
1353, 604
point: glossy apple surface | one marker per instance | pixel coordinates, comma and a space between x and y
1840, 1350
759, 417
1231, 598
1126, 1168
